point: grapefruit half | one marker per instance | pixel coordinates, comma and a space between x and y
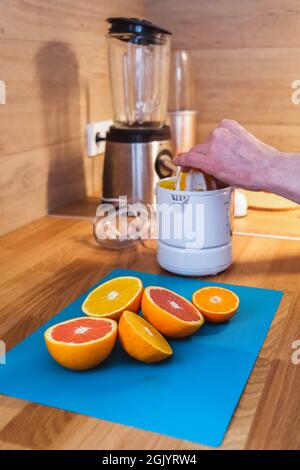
170, 313
81, 343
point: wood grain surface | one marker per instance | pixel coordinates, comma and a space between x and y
50, 262
53, 60
246, 55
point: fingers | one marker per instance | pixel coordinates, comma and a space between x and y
232, 125
185, 169
191, 160
201, 148
236, 129
239, 131
179, 160
200, 156
176, 160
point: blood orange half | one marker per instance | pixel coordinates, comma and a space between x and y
81, 343
169, 313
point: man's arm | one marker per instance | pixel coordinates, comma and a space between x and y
238, 158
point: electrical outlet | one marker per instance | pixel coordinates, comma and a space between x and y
93, 130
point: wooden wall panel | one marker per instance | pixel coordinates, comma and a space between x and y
75, 22
51, 100
229, 24
54, 62
41, 179
246, 55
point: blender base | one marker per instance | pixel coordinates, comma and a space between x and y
193, 262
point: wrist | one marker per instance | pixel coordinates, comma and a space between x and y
284, 176
269, 174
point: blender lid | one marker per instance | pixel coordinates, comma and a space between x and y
135, 25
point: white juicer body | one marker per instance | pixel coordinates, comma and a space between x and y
194, 230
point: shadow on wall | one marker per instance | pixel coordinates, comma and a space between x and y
58, 77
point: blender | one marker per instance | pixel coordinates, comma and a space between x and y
138, 144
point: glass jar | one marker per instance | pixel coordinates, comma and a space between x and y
139, 57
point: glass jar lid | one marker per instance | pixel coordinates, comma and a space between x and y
136, 30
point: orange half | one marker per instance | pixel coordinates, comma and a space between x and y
141, 340
113, 297
81, 343
216, 304
170, 313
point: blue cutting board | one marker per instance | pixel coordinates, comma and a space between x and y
191, 396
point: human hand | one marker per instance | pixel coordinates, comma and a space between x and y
233, 155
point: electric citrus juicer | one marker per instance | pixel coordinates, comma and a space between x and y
138, 146
194, 229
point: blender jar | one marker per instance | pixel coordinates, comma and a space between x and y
139, 56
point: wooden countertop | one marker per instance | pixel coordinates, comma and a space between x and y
49, 263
